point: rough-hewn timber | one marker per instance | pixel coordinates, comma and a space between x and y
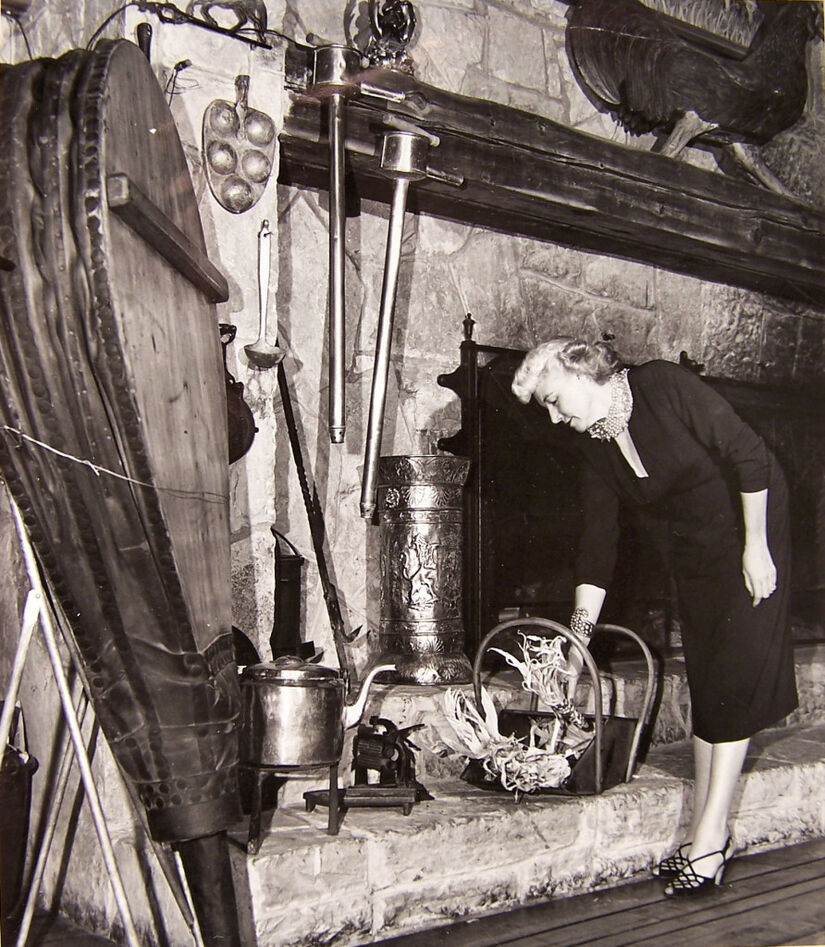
527, 175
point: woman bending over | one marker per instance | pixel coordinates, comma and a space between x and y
656, 436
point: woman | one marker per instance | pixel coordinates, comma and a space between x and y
656, 436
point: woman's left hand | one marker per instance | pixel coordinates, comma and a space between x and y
759, 571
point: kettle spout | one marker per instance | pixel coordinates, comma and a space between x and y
353, 711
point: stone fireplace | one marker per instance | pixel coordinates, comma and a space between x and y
524, 279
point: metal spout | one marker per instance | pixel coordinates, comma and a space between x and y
354, 710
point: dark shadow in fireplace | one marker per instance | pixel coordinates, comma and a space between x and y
522, 507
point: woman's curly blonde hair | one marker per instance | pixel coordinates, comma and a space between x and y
597, 360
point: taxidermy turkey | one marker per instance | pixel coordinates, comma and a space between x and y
631, 63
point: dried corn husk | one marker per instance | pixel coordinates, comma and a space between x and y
544, 760
473, 733
526, 769
544, 668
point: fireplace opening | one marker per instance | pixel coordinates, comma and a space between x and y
523, 511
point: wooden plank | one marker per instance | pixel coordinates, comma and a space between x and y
758, 884
528, 175
134, 208
508, 211
716, 923
651, 919
648, 918
780, 922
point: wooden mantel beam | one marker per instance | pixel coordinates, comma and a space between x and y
527, 175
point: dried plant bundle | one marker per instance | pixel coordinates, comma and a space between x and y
543, 759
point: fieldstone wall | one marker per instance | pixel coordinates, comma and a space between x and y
519, 291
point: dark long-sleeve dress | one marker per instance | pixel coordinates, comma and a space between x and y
699, 455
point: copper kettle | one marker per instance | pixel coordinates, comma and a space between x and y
294, 712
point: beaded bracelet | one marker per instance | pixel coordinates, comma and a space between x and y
567, 711
580, 625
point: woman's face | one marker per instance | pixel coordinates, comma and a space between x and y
576, 400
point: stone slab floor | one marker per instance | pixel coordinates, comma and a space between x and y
767, 898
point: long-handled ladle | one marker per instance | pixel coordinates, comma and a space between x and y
335, 72
262, 353
404, 154
404, 159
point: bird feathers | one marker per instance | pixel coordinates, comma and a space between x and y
632, 63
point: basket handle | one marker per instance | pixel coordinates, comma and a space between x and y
647, 699
546, 626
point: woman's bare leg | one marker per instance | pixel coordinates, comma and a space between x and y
702, 754
718, 766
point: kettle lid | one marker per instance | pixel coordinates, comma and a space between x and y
289, 669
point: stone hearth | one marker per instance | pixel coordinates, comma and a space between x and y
469, 851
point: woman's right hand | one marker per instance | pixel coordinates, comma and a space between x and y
587, 599
759, 571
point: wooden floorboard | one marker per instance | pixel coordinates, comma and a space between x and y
716, 922
753, 926
771, 898
651, 922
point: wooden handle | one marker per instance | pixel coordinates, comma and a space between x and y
147, 220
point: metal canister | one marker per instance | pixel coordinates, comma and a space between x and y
286, 627
420, 505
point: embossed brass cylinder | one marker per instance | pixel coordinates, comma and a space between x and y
420, 515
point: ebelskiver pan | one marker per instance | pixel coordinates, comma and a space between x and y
238, 150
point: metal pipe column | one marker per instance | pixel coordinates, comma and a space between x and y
333, 76
383, 344
337, 246
404, 158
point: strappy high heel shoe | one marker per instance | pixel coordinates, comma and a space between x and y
671, 866
689, 881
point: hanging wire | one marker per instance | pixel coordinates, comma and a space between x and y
19, 25
172, 15
108, 20
172, 82
20, 437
